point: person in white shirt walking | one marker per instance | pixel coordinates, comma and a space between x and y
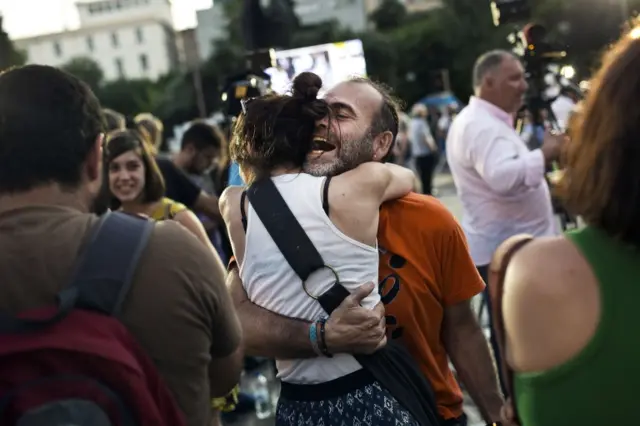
500, 182
563, 106
424, 149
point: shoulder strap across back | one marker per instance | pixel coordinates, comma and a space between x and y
497, 274
105, 270
103, 274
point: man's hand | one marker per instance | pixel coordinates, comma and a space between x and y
552, 146
354, 329
469, 352
507, 413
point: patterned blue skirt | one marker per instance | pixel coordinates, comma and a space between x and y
356, 399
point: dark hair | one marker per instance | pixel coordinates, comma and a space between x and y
123, 141
114, 120
50, 122
203, 135
386, 120
277, 130
601, 181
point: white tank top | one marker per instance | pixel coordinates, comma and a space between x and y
271, 283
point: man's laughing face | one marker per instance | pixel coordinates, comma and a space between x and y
345, 140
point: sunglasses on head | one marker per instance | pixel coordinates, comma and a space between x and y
244, 103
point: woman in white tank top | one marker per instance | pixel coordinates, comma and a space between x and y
272, 139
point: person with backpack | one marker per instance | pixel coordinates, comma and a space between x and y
111, 321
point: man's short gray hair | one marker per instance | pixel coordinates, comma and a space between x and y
487, 63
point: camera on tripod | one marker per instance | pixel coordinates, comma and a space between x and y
538, 55
531, 43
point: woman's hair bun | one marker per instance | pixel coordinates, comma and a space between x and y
306, 86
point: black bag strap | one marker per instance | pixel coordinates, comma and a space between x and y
497, 275
284, 228
103, 273
243, 212
325, 195
291, 239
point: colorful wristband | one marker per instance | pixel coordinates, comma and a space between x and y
313, 337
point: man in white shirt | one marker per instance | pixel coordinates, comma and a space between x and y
500, 182
563, 107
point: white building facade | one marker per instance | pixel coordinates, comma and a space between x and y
129, 39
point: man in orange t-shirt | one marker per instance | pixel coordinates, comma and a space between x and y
427, 277
425, 267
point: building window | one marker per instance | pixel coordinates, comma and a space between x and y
90, 43
115, 42
57, 48
144, 62
120, 67
139, 35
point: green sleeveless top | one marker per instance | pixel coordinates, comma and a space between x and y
599, 386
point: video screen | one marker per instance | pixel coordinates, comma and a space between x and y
334, 62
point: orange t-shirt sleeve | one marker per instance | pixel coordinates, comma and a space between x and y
460, 278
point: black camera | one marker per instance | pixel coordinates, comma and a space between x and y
532, 44
538, 54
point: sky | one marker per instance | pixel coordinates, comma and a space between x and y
24, 18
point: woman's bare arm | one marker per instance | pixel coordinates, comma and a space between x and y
381, 181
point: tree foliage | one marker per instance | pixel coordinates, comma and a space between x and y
389, 15
87, 70
9, 55
571, 25
131, 97
407, 52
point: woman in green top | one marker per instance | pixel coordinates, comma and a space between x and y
572, 304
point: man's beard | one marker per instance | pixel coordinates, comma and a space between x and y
351, 155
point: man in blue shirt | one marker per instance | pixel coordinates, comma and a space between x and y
234, 175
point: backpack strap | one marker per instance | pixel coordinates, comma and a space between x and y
103, 273
291, 239
497, 273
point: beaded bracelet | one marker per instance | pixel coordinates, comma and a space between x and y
323, 343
